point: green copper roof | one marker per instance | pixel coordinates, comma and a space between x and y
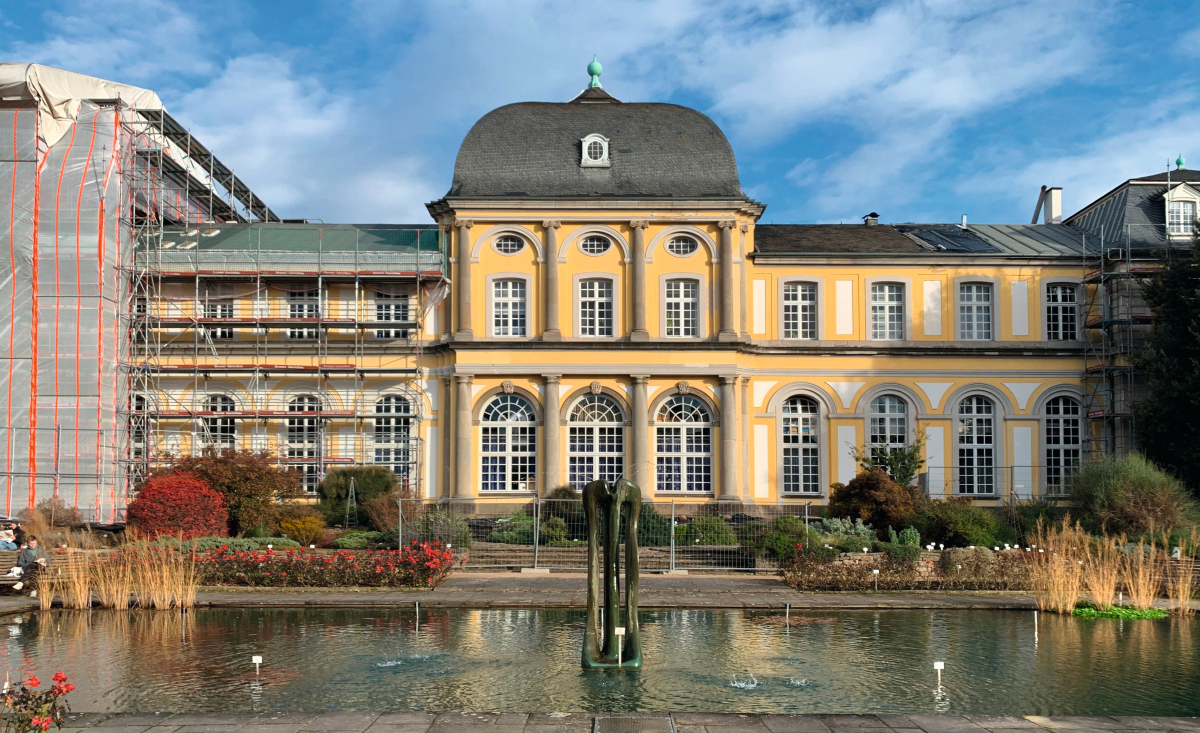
595, 70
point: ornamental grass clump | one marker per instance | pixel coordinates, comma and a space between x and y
1102, 570
113, 578
420, 565
1056, 570
163, 578
1143, 573
1181, 584
73, 577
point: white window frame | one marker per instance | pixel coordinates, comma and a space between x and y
392, 307
508, 448
392, 438
596, 312
887, 318
800, 438
1181, 218
1063, 433
302, 438
581, 243
595, 447
219, 308
1058, 312
807, 314
679, 236
511, 320
976, 310
886, 422
508, 235
304, 304
220, 431
685, 305
586, 160
683, 454
976, 445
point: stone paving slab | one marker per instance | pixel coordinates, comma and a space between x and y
468, 722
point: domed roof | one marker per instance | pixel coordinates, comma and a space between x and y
534, 149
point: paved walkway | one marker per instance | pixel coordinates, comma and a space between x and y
569, 590
583, 723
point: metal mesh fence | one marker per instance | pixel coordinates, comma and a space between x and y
552, 534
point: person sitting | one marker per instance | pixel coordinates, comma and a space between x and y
32, 561
18, 534
8, 539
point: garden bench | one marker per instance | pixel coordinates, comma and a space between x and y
58, 562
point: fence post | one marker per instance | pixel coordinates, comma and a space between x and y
672, 534
537, 521
400, 525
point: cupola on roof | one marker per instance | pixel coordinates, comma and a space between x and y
533, 150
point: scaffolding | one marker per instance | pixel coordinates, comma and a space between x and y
337, 307
1117, 322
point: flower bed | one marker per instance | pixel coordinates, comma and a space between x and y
417, 565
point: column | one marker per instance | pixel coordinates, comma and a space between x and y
728, 322
551, 462
639, 452
447, 312
463, 476
747, 492
463, 286
639, 332
446, 433
743, 227
728, 490
550, 285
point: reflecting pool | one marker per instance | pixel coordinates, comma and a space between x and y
528, 660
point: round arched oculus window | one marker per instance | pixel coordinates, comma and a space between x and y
595, 150
595, 245
509, 245
682, 246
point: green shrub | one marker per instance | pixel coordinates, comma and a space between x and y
910, 536
710, 530
553, 531
875, 498
364, 540
956, 522
901, 552
369, 482
1130, 496
236, 544
654, 529
517, 530
853, 543
441, 525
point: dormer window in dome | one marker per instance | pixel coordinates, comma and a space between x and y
595, 152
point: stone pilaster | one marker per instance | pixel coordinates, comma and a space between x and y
463, 474
728, 316
463, 286
447, 311
639, 332
552, 455
552, 331
639, 453
728, 490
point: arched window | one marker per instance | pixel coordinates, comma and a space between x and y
304, 439
596, 450
508, 307
509, 244
801, 446
1064, 438
596, 307
509, 445
683, 442
976, 446
889, 423
595, 244
800, 311
393, 448
220, 431
682, 245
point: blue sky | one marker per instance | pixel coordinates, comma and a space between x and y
352, 111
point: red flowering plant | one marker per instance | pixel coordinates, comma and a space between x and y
28, 710
419, 565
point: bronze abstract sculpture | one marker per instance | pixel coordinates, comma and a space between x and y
602, 506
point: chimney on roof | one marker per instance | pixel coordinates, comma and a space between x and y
1054, 205
964, 222
871, 219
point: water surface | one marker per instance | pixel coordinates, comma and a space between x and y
528, 660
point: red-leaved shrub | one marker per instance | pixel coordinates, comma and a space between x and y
178, 504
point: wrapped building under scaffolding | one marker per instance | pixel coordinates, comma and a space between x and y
114, 242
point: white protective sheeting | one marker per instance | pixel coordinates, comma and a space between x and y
59, 93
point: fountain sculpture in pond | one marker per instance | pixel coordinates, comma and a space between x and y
602, 506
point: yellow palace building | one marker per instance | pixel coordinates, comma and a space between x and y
618, 309
597, 298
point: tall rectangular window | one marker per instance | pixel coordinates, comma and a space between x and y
683, 308
1181, 217
1062, 313
596, 307
1064, 441
508, 308
800, 311
975, 312
304, 304
219, 309
391, 307
887, 312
